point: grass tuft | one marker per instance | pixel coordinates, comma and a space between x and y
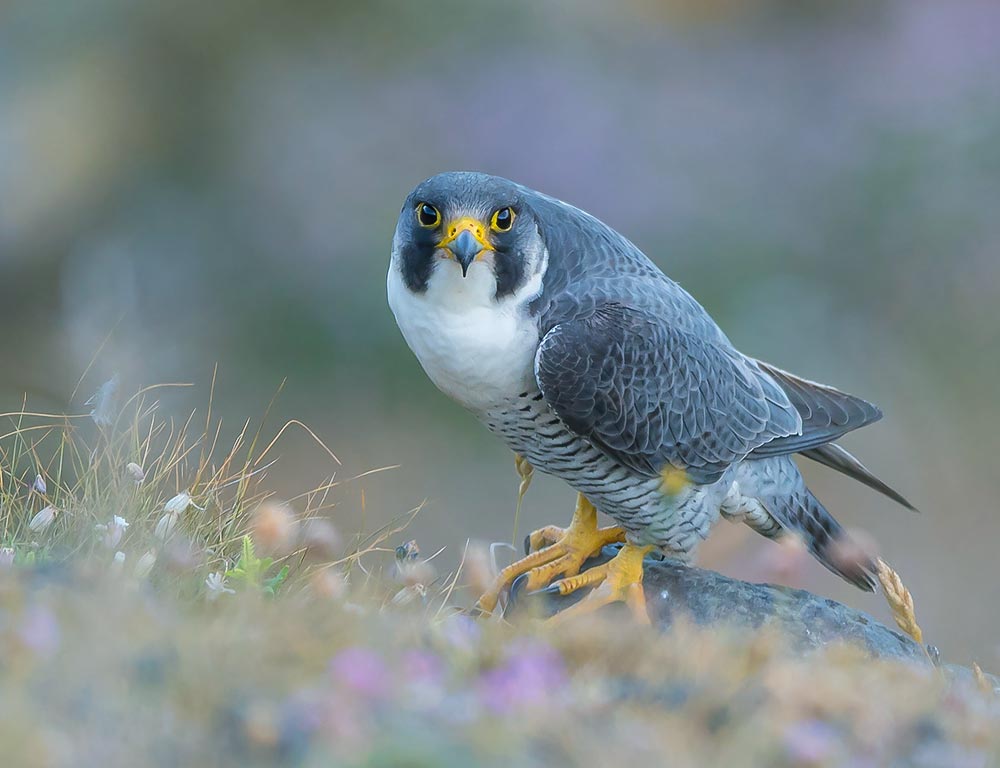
172, 611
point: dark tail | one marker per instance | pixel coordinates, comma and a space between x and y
835, 457
803, 514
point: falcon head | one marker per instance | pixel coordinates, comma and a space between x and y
468, 233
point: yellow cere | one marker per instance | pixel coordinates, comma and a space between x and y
466, 224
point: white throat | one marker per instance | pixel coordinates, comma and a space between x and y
477, 349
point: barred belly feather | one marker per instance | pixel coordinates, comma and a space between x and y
675, 523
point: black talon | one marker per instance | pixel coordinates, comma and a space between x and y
519, 595
518, 590
527, 544
551, 589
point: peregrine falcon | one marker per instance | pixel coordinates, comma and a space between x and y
573, 347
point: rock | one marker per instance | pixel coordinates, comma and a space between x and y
807, 620
966, 676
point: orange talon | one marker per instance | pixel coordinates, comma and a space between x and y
564, 557
588, 578
620, 581
544, 537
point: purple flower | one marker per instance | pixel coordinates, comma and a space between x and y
810, 741
304, 711
421, 667
39, 631
423, 676
461, 632
362, 671
532, 674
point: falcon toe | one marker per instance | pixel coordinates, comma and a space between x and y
618, 581
569, 550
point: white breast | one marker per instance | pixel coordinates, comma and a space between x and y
476, 350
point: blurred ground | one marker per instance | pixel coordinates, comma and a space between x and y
184, 184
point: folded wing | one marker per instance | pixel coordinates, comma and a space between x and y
652, 395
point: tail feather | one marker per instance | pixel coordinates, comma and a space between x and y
825, 538
835, 457
777, 486
827, 541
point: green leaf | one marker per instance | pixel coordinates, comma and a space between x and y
272, 584
250, 571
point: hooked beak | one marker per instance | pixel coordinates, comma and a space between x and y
465, 241
465, 248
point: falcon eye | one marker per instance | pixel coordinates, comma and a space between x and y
428, 216
503, 220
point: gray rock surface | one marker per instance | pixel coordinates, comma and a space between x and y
807, 620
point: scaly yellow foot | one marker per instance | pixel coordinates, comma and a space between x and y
618, 580
570, 549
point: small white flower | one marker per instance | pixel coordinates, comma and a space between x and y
43, 519
145, 564
178, 504
216, 586
39, 485
118, 562
135, 472
6, 557
113, 531
165, 526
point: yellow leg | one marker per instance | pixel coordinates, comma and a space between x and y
620, 581
582, 540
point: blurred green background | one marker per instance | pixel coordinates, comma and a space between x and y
199, 183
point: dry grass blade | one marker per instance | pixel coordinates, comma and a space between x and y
525, 471
981, 682
900, 601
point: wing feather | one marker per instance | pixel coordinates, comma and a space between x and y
651, 394
827, 413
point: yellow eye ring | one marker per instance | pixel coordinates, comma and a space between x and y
428, 216
503, 219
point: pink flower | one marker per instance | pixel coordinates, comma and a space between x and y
461, 632
810, 742
361, 670
530, 677
421, 667
39, 631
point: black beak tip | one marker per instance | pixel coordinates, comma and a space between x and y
465, 249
